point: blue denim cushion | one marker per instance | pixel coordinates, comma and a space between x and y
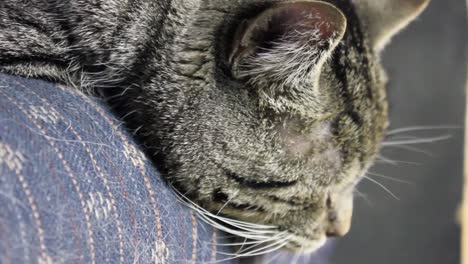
75, 188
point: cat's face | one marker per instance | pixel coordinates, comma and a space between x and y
271, 112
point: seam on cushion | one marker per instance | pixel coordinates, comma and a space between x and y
184, 233
194, 237
214, 246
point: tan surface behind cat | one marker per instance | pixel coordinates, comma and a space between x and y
465, 199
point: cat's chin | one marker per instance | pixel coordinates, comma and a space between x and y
305, 245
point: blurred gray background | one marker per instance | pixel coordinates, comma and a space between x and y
427, 68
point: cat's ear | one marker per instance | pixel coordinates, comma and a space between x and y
385, 18
287, 39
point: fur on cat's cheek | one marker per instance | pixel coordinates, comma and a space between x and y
298, 143
315, 145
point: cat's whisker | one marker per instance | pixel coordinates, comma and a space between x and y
419, 128
279, 243
394, 162
247, 224
415, 149
226, 204
278, 236
254, 248
244, 226
259, 234
135, 131
405, 137
387, 160
268, 248
275, 248
243, 229
243, 232
128, 114
239, 233
364, 197
245, 242
382, 186
388, 178
415, 141
359, 193
108, 98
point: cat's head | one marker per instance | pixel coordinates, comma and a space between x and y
271, 112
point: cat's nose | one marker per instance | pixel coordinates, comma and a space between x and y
339, 218
338, 226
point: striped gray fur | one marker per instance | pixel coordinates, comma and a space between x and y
269, 112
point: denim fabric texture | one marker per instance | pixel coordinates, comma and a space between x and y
75, 188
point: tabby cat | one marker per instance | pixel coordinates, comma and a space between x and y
267, 112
